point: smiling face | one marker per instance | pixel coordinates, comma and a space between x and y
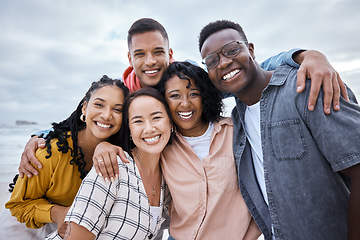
149, 55
103, 112
185, 106
149, 124
232, 75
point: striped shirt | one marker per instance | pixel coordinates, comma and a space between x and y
118, 210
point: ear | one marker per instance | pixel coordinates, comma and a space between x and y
130, 60
83, 109
251, 50
171, 55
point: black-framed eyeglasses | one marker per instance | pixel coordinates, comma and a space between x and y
230, 50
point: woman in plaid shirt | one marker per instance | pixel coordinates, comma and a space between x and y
131, 206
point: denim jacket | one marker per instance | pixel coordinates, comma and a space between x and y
303, 152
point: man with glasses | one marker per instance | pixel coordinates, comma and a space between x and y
292, 163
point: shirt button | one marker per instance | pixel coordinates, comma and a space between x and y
150, 236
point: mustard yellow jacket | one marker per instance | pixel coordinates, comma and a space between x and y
57, 184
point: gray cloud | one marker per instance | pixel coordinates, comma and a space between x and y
51, 51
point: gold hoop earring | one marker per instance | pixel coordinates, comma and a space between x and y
82, 117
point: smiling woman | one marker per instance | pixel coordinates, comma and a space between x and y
41, 202
130, 207
200, 161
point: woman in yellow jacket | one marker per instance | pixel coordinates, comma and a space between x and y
66, 159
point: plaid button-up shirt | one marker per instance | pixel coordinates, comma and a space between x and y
118, 210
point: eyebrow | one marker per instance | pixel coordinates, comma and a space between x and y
102, 100
156, 48
176, 90
151, 114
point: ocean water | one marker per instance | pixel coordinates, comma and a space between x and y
13, 139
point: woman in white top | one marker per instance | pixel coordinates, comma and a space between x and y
131, 207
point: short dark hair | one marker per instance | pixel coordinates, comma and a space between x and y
146, 25
128, 144
216, 26
211, 97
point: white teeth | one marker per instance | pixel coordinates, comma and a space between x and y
103, 125
151, 72
150, 140
231, 74
185, 115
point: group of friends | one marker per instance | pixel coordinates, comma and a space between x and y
154, 151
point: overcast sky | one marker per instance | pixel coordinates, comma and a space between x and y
50, 51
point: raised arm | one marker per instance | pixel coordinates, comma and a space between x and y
313, 65
28, 159
105, 160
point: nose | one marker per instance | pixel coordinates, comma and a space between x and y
150, 60
223, 61
106, 114
185, 101
149, 127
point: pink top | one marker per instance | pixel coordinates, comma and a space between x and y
130, 80
206, 200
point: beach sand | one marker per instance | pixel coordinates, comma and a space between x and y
4, 193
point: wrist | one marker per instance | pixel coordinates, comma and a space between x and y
56, 212
298, 56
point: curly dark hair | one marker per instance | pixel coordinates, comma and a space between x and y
125, 130
73, 124
211, 97
216, 26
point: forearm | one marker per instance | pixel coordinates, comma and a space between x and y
75, 231
284, 57
58, 213
34, 213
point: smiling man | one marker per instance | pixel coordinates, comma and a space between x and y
291, 162
149, 54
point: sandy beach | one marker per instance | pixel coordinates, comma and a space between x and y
4, 193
